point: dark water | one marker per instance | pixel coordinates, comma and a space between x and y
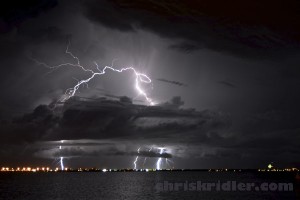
134, 185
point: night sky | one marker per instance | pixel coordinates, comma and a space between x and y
236, 64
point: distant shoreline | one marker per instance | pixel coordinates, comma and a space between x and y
43, 170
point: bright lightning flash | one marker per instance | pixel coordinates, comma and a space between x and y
61, 159
158, 163
139, 77
136, 159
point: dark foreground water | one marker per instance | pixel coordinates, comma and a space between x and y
142, 185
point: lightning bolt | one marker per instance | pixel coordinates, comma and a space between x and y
70, 92
62, 163
136, 159
158, 163
61, 159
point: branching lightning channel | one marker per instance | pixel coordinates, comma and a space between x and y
70, 92
136, 159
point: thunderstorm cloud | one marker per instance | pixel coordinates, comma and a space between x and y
240, 61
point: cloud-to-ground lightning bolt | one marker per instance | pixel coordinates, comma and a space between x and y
158, 163
61, 160
139, 77
136, 159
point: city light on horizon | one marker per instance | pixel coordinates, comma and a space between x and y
67, 169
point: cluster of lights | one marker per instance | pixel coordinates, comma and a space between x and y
224, 170
272, 169
279, 170
128, 170
48, 169
25, 169
31, 169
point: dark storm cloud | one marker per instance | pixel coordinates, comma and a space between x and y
184, 47
275, 146
260, 121
72, 152
115, 120
147, 154
243, 28
166, 124
93, 151
29, 128
172, 82
51, 34
19, 72
205, 133
14, 13
227, 83
118, 97
109, 122
71, 143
